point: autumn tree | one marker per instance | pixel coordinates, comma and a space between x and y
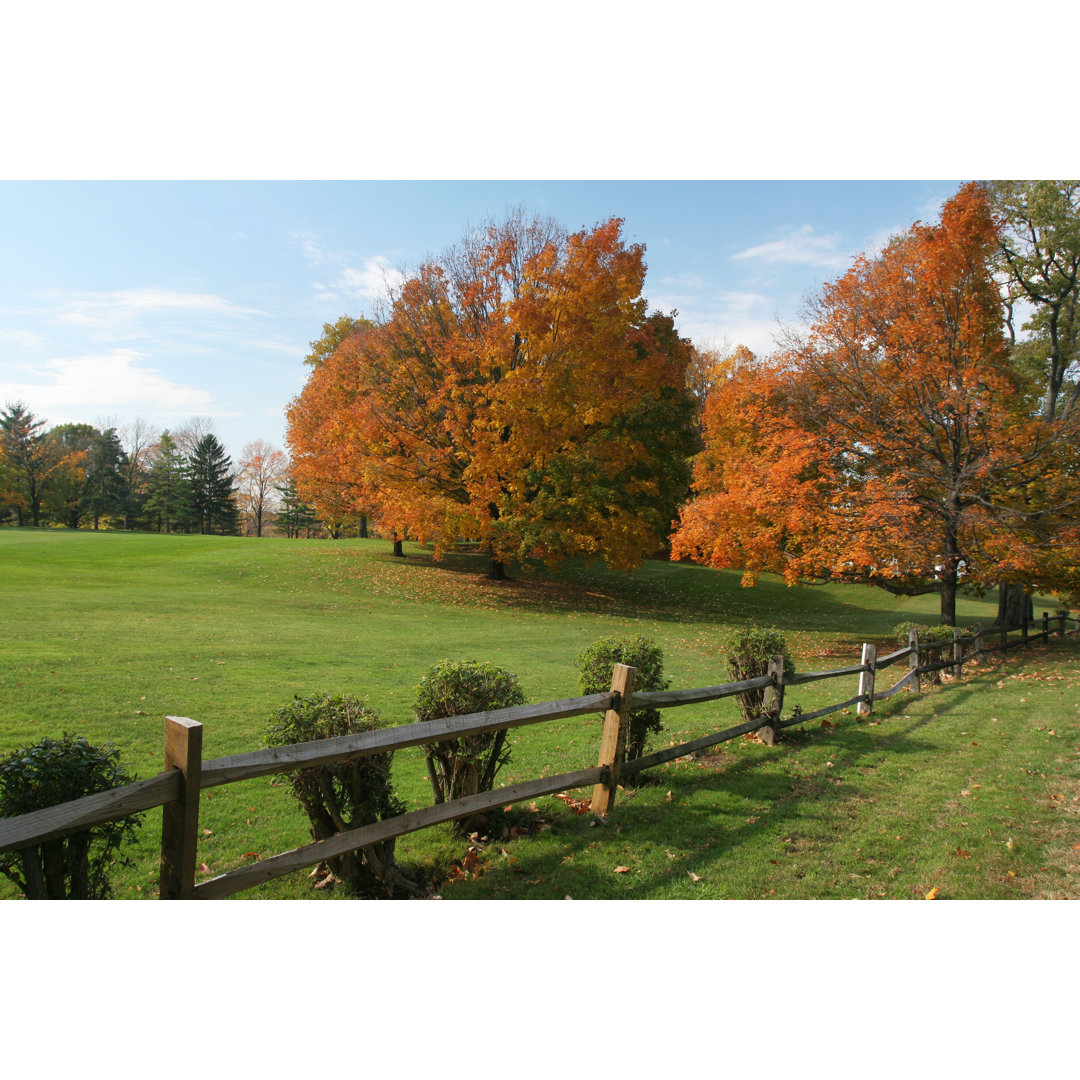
517, 391
261, 468
333, 335
66, 501
1039, 262
32, 460
894, 444
138, 440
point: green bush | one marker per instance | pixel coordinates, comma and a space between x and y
468, 765
52, 771
594, 667
926, 633
345, 794
749, 652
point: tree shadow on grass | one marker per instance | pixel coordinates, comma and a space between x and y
716, 807
659, 590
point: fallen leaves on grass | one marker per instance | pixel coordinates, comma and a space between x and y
932, 894
621, 870
578, 806
693, 876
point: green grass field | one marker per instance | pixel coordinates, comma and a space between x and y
970, 789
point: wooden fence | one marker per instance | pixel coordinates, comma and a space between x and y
177, 788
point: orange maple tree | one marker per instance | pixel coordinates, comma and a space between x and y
517, 392
895, 444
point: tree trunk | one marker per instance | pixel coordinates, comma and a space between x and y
948, 600
496, 570
398, 550
949, 578
362, 531
1015, 606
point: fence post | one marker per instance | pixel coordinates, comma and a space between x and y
613, 740
1024, 632
957, 653
978, 645
866, 679
1046, 627
913, 659
773, 700
180, 820
1061, 626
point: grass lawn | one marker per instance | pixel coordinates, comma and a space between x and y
969, 789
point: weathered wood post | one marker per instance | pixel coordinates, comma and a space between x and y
773, 700
978, 645
913, 659
1061, 625
957, 653
613, 740
180, 819
866, 679
1046, 627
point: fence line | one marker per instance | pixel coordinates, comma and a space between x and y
177, 788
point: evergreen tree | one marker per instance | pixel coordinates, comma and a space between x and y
106, 476
209, 472
169, 502
294, 515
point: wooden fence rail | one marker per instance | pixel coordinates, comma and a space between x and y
177, 788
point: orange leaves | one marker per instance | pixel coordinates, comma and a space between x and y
517, 393
887, 444
578, 806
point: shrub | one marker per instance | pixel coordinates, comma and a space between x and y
346, 794
468, 765
594, 666
74, 867
749, 652
926, 633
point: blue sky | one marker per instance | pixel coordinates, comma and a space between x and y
164, 300
188, 194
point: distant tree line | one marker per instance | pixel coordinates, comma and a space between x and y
79, 476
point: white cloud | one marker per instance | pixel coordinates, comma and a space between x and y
114, 381
26, 338
739, 317
310, 246
687, 280
120, 309
801, 246
373, 279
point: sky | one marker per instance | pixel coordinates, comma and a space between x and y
164, 300
187, 196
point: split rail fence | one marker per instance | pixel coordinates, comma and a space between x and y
186, 775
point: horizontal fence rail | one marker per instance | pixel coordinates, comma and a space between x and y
277, 759
177, 788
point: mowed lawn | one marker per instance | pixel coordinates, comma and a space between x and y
972, 790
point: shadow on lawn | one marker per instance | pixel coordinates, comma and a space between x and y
659, 590
720, 807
